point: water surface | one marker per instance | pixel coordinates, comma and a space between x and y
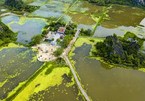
104, 84
16, 65
26, 27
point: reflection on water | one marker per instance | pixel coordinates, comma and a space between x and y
103, 84
52, 8
10, 18
26, 29
120, 31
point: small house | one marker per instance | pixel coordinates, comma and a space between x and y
61, 30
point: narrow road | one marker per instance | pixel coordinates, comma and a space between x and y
76, 79
65, 57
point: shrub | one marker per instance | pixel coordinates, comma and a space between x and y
58, 52
35, 40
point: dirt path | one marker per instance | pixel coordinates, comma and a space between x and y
65, 57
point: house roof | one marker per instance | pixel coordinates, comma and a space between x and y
61, 30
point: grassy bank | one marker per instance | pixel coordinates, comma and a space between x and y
84, 40
80, 41
11, 45
44, 81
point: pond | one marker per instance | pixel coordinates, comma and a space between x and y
104, 84
26, 27
53, 9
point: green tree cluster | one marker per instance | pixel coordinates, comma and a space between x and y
66, 41
87, 32
122, 50
122, 2
6, 35
36, 40
69, 31
20, 5
70, 27
58, 52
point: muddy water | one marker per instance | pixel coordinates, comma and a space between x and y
103, 84
124, 15
119, 15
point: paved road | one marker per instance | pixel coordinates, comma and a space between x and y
65, 57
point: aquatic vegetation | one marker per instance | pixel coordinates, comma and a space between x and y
99, 19
22, 24
84, 40
14, 65
34, 59
78, 8
11, 45
52, 79
2, 83
87, 40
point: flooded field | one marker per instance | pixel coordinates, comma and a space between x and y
104, 84
59, 93
120, 31
22, 24
16, 65
124, 15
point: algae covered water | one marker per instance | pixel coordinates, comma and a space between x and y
17, 65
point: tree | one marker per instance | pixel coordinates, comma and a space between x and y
66, 41
58, 52
35, 40
6, 35
18, 4
120, 50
